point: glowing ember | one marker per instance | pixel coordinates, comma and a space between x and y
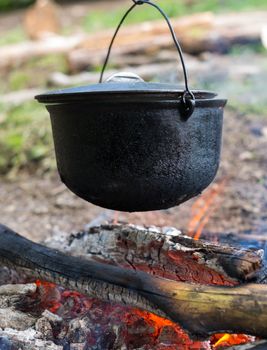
104, 325
203, 208
107, 325
65, 303
164, 327
225, 340
49, 296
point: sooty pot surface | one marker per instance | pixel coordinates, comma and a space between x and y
136, 156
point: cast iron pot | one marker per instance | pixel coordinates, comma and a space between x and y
133, 146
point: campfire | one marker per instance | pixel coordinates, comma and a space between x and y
106, 326
128, 145
67, 309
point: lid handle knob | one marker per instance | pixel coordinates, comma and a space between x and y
123, 77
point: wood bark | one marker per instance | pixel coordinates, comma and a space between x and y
201, 310
164, 252
42, 19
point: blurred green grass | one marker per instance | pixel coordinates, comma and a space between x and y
173, 8
13, 4
25, 138
102, 19
13, 36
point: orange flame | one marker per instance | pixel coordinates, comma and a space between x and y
53, 298
50, 297
159, 321
203, 208
224, 340
40, 283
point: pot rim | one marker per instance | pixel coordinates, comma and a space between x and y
152, 100
121, 88
62, 96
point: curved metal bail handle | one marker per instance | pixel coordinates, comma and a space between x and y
188, 98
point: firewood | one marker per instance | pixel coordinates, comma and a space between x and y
17, 54
147, 72
10, 295
201, 310
42, 19
137, 54
164, 252
196, 33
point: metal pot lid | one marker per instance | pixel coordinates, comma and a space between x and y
124, 84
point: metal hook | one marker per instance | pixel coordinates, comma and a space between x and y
188, 98
139, 2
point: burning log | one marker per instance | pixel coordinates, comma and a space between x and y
165, 253
201, 310
260, 345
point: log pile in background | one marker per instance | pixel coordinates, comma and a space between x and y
197, 33
42, 19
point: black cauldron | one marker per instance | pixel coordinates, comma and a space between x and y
129, 145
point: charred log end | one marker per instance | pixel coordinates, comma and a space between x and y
168, 254
233, 264
244, 265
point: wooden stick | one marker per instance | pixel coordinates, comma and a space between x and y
201, 310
